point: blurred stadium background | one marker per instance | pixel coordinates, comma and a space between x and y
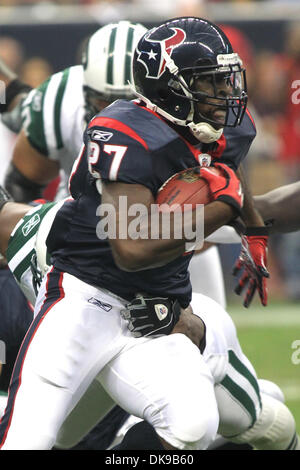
38, 38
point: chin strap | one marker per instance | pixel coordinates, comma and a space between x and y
204, 132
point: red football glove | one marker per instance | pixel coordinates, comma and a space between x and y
225, 187
253, 259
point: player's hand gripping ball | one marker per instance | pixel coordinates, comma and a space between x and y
186, 187
201, 185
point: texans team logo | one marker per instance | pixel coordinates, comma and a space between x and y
151, 56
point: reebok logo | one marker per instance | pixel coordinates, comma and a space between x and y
100, 304
26, 229
101, 135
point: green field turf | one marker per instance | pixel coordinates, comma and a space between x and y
266, 336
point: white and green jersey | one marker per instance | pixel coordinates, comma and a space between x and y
27, 253
53, 119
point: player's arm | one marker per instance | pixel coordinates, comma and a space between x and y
10, 214
250, 214
34, 161
281, 207
145, 253
29, 172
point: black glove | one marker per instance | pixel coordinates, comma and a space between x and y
149, 316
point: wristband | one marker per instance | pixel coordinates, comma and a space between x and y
257, 231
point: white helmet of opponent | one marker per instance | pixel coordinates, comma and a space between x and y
107, 60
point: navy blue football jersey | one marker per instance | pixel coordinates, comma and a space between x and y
130, 144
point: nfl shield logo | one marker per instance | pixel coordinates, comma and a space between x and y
204, 159
161, 311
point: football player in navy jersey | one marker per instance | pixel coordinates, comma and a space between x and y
29, 232
78, 332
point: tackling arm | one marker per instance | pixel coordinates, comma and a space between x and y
282, 207
29, 171
10, 214
250, 213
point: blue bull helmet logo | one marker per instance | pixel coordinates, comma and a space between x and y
152, 57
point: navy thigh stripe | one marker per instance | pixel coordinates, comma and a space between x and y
54, 293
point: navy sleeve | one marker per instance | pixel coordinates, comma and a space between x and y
115, 152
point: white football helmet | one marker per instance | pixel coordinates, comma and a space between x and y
107, 62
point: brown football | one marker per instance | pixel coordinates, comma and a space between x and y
185, 187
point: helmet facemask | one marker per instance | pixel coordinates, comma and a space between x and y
217, 95
94, 102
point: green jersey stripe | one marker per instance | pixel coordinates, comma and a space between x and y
49, 110
57, 108
110, 61
33, 119
16, 255
243, 370
241, 396
19, 242
23, 266
129, 41
293, 442
22, 239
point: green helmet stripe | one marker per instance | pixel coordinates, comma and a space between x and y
127, 74
57, 109
110, 61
